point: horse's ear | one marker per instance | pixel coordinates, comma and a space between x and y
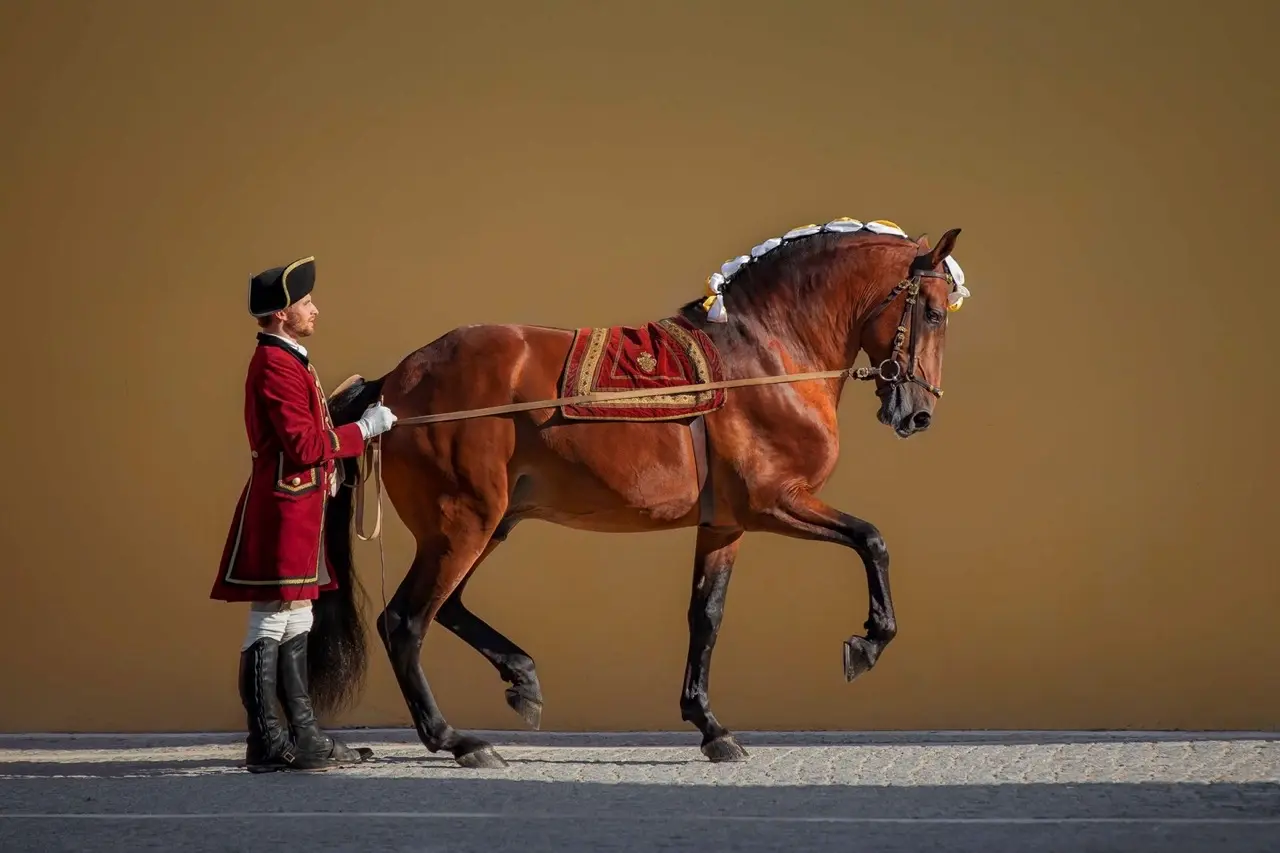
944, 247
923, 242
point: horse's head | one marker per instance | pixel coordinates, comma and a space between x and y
905, 335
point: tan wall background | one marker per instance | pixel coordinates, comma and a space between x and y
1083, 540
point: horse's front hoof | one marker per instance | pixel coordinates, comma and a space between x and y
479, 756
529, 709
860, 655
724, 748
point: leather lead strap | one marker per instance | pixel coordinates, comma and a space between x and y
862, 374
372, 470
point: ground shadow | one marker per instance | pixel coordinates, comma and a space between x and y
335, 812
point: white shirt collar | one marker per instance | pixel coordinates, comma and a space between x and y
299, 347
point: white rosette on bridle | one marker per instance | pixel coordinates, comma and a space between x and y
958, 291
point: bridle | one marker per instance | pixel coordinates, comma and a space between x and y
892, 370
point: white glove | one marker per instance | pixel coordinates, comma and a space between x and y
376, 420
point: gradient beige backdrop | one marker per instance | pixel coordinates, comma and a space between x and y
1083, 540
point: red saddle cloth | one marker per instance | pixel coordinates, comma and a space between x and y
661, 354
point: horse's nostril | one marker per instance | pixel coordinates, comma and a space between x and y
920, 420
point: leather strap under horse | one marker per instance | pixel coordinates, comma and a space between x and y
891, 370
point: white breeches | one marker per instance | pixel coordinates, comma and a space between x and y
279, 620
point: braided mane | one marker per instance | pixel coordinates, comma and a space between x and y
770, 261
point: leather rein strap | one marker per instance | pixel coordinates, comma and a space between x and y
862, 373
890, 370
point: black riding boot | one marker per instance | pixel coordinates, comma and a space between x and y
267, 746
309, 740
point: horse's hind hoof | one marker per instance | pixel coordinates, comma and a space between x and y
724, 748
481, 757
859, 656
530, 710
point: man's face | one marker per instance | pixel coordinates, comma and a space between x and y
300, 317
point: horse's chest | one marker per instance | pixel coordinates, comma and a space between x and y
805, 449
815, 454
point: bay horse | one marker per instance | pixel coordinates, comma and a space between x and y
813, 302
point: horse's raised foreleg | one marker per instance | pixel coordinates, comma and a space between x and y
712, 567
441, 563
804, 516
515, 666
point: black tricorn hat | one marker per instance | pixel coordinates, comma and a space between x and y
279, 287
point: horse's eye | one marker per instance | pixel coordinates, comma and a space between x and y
934, 316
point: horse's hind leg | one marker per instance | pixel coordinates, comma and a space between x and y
444, 558
712, 567
514, 664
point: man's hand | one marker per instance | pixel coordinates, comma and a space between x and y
376, 420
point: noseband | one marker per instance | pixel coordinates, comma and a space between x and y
892, 370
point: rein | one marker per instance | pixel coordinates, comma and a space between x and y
862, 373
890, 370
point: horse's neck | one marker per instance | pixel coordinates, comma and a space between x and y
820, 331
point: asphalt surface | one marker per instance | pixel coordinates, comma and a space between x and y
1079, 792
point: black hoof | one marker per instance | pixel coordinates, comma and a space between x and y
724, 748
860, 655
529, 709
479, 756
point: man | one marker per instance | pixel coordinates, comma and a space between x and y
273, 556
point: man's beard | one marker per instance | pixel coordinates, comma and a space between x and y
297, 330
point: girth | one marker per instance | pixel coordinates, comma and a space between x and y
702, 464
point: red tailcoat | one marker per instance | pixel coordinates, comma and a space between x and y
274, 550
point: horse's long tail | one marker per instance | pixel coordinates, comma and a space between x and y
336, 653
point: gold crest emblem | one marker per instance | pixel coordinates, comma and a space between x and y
646, 361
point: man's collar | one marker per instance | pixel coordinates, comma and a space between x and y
294, 348
289, 342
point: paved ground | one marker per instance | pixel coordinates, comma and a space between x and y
1078, 792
